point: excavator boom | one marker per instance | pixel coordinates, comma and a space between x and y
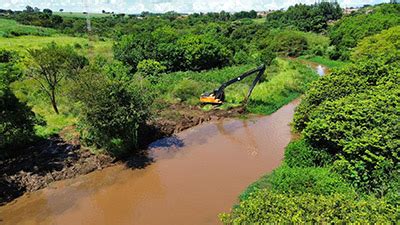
218, 95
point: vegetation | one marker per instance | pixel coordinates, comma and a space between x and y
346, 33
348, 154
11, 28
114, 110
50, 65
17, 119
305, 17
110, 82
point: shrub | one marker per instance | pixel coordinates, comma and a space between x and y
150, 67
265, 206
301, 154
384, 46
290, 43
113, 112
363, 129
315, 180
187, 89
346, 33
16, 118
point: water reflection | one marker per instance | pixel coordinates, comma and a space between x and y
321, 70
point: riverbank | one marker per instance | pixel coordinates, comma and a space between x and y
61, 157
189, 178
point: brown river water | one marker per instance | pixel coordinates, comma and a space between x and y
196, 175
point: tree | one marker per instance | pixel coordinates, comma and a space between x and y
51, 64
47, 11
29, 9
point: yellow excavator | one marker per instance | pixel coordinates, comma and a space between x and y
217, 97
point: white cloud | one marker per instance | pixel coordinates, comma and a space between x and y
137, 6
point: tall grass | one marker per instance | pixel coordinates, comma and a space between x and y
11, 28
287, 81
282, 82
22, 43
28, 91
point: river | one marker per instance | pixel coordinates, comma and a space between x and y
195, 175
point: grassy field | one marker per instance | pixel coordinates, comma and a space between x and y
259, 20
82, 45
11, 28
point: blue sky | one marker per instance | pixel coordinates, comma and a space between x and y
137, 6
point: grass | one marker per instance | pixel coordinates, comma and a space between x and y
259, 20
11, 28
324, 61
28, 91
283, 82
20, 44
286, 80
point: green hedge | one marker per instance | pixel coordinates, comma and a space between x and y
265, 206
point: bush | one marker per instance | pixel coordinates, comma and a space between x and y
363, 129
265, 206
346, 33
187, 89
384, 46
301, 154
296, 180
150, 68
290, 43
16, 118
16, 122
113, 112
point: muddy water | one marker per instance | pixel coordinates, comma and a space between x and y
195, 175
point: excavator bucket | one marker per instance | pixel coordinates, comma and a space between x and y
208, 98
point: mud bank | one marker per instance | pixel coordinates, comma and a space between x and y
55, 159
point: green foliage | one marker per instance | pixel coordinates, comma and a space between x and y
383, 46
16, 118
305, 17
367, 138
299, 153
353, 113
346, 33
324, 61
265, 206
51, 64
113, 112
296, 180
188, 52
285, 84
149, 67
187, 89
290, 43
10, 28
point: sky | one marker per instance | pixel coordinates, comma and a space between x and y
159, 6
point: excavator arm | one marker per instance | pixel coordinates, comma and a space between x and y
218, 95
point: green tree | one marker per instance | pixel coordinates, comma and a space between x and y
51, 64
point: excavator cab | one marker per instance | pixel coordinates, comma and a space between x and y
217, 97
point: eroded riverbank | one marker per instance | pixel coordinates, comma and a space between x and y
194, 176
